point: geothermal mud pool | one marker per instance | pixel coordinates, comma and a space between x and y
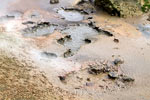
70, 51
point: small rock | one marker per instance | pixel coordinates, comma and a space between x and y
89, 84
113, 75
68, 37
116, 40
62, 78
87, 41
77, 88
49, 55
118, 61
28, 22
148, 18
65, 39
101, 86
95, 70
88, 79
107, 33
10, 16
68, 53
127, 79
107, 69
90, 17
54, 1
61, 41
79, 78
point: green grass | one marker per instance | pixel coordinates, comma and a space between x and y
146, 6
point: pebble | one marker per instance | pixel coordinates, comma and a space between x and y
54, 1
127, 79
113, 75
118, 61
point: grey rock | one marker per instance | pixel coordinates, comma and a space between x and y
95, 70
113, 75
49, 55
118, 61
68, 53
127, 79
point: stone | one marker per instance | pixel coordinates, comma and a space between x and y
64, 39
28, 22
54, 1
49, 55
113, 75
95, 70
68, 53
116, 40
148, 18
121, 8
87, 41
118, 61
89, 84
88, 79
127, 79
62, 78
98, 29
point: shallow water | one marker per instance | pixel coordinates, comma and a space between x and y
135, 54
39, 31
71, 15
145, 29
78, 35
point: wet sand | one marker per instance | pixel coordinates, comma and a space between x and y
56, 51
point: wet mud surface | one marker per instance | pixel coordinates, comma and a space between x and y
68, 50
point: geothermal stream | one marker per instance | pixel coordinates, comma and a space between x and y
66, 51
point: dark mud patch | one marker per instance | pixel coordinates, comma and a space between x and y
41, 29
98, 29
78, 9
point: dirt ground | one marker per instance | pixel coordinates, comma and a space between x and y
70, 51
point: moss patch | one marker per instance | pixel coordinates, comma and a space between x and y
146, 6
121, 8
